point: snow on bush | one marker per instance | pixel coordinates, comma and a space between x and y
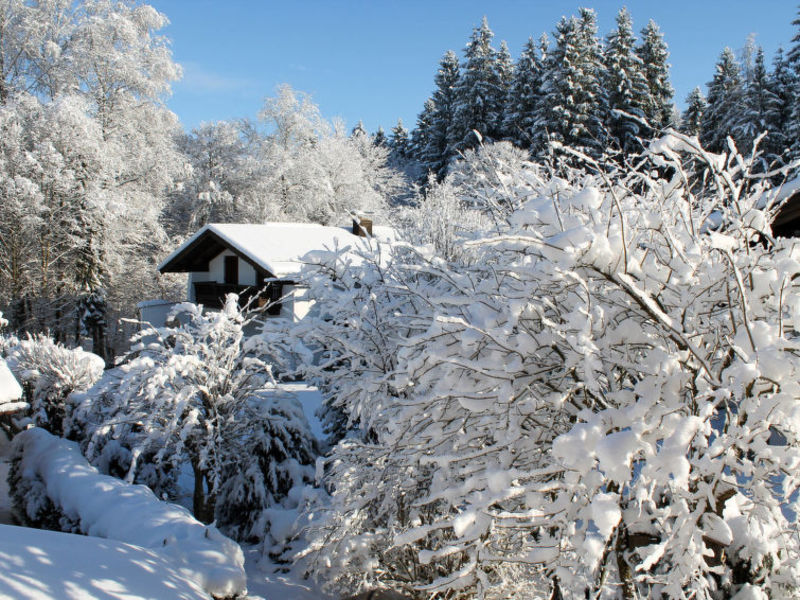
50, 372
603, 402
198, 395
55, 486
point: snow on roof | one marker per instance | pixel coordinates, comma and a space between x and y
10, 391
280, 247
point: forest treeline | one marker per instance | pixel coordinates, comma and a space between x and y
581, 91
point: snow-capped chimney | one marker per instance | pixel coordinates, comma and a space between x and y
362, 227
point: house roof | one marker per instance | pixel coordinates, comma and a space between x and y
278, 248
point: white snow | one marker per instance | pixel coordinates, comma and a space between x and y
311, 400
10, 391
43, 565
110, 508
278, 247
267, 581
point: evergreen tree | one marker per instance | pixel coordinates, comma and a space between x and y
625, 85
523, 96
399, 142
724, 98
420, 137
761, 105
438, 151
692, 119
380, 139
358, 130
505, 78
572, 102
479, 94
654, 54
784, 83
793, 125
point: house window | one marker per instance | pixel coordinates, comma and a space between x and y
232, 270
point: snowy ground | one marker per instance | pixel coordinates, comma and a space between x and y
264, 582
43, 565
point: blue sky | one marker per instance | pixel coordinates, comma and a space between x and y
376, 60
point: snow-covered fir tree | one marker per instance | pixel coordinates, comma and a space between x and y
573, 106
692, 118
524, 93
725, 96
793, 61
358, 129
420, 135
438, 151
479, 95
400, 143
380, 139
761, 110
505, 77
783, 82
626, 87
654, 54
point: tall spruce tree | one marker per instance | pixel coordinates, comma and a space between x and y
692, 118
761, 107
479, 95
380, 139
626, 87
654, 54
399, 142
725, 94
572, 104
784, 84
793, 126
505, 77
420, 136
523, 96
358, 130
438, 151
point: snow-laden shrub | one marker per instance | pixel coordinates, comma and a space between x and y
198, 396
53, 486
50, 372
603, 403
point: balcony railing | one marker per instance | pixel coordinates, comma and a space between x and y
212, 295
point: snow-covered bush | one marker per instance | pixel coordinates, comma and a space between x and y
50, 372
603, 403
54, 487
198, 395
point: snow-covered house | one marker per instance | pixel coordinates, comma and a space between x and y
260, 262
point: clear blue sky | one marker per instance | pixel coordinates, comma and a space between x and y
376, 60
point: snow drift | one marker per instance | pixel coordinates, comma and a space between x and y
103, 506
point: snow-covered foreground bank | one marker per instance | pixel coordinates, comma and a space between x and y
106, 507
43, 565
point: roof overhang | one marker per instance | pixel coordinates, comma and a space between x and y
195, 254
